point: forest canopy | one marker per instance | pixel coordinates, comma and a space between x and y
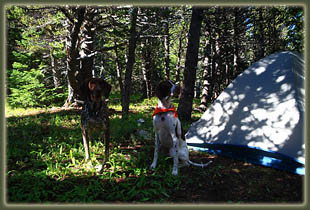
51, 50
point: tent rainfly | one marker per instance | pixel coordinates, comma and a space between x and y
259, 117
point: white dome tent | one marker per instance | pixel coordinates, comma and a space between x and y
259, 117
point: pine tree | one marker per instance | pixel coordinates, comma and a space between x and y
187, 95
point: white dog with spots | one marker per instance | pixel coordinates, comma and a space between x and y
168, 132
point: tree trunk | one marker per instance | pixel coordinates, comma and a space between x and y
213, 67
167, 51
203, 102
186, 100
87, 47
207, 67
178, 66
180, 51
102, 62
72, 55
262, 36
118, 69
129, 65
56, 73
259, 50
236, 44
147, 66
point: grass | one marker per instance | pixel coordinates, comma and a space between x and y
45, 164
46, 159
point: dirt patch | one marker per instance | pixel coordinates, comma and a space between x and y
229, 180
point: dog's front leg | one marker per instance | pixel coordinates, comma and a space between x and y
174, 153
155, 151
85, 135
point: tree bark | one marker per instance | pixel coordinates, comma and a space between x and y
186, 101
72, 55
180, 52
259, 50
262, 36
207, 70
56, 72
129, 65
118, 69
236, 44
146, 68
167, 51
87, 47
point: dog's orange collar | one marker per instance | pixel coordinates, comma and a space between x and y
161, 110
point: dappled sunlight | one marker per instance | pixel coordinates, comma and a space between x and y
260, 70
280, 119
259, 109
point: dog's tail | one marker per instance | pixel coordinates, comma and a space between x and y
202, 165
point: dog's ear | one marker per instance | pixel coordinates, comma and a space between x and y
106, 88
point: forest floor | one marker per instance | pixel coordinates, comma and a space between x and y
45, 165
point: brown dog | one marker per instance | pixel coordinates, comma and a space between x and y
95, 113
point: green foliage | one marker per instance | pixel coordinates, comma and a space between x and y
230, 36
46, 161
26, 87
29, 77
28, 90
